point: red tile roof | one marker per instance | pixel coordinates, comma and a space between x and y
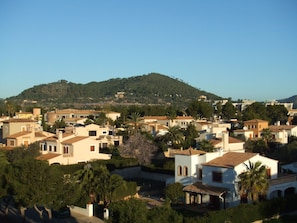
18, 134
47, 156
230, 159
189, 152
74, 139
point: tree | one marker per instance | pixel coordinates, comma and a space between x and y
190, 136
139, 147
256, 146
134, 122
174, 137
89, 182
277, 113
163, 214
256, 110
228, 111
33, 184
131, 210
254, 181
266, 135
58, 125
200, 109
174, 192
206, 146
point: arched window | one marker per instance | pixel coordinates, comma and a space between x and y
179, 170
185, 171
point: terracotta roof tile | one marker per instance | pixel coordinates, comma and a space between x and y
47, 156
230, 159
190, 151
18, 120
18, 134
74, 139
276, 128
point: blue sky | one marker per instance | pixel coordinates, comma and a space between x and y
232, 48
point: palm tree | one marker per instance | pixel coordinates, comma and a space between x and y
87, 181
134, 121
254, 181
174, 136
266, 135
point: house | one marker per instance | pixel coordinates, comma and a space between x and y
281, 133
68, 148
181, 121
256, 125
72, 114
228, 143
25, 138
106, 136
244, 133
213, 177
15, 125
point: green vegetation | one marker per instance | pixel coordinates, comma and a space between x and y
152, 88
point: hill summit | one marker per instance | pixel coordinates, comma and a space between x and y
151, 88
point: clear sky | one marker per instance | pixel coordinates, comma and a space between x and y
243, 49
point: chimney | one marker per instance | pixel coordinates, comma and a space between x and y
225, 140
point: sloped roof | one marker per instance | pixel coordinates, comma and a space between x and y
189, 152
47, 156
18, 120
74, 139
39, 134
200, 188
255, 120
231, 140
276, 128
18, 134
230, 159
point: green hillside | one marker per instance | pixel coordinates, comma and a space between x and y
151, 88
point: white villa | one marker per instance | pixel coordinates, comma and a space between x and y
213, 177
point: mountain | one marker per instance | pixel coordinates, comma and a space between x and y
292, 99
151, 88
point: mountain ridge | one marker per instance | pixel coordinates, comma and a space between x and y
152, 88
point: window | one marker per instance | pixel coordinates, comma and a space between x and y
11, 143
50, 148
200, 173
116, 143
185, 171
55, 148
268, 172
216, 176
65, 149
179, 170
92, 148
92, 133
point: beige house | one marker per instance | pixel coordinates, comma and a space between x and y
281, 133
76, 114
25, 138
67, 148
106, 136
256, 125
16, 125
245, 133
227, 143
